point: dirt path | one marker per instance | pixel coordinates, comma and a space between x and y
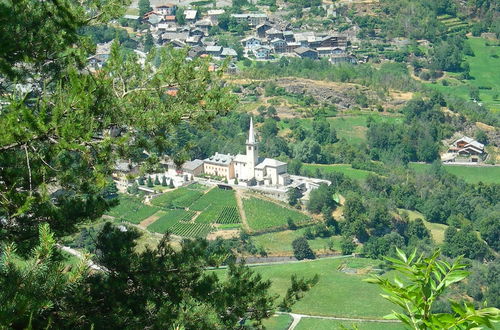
243, 216
146, 222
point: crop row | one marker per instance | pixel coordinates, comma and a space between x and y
191, 229
229, 214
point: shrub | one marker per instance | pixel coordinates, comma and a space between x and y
301, 249
347, 245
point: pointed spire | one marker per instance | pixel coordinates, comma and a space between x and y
251, 135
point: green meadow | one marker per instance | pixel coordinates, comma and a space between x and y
471, 174
336, 293
485, 70
280, 243
319, 324
345, 169
350, 127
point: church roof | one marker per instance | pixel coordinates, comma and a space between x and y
240, 158
269, 162
251, 134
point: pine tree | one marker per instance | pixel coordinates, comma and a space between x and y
150, 182
171, 184
157, 181
164, 181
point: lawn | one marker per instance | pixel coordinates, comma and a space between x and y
345, 169
485, 68
336, 293
319, 324
280, 243
262, 215
471, 174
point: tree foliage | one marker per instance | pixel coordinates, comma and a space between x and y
424, 280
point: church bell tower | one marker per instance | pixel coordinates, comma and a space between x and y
252, 149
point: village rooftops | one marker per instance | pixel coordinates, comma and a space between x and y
229, 52
249, 15
220, 159
192, 165
167, 5
302, 50
133, 17
215, 12
190, 14
213, 49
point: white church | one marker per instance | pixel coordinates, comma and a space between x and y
248, 168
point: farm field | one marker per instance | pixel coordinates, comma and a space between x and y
319, 324
217, 206
280, 243
336, 293
471, 174
345, 169
170, 219
262, 215
131, 209
482, 68
179, 198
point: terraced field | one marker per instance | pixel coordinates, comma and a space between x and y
217, 206
179, 198
132, 210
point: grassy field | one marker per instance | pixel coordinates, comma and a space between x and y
278, 322
263, 215
352, 128
131, 209
280, 243
345, 169
471, 174
178, 198
319, 324
485, 68
336, 293
437, 229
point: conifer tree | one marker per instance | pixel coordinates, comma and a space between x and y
164, 181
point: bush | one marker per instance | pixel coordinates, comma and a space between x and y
301, 249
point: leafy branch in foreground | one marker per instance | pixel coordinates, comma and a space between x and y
424, 280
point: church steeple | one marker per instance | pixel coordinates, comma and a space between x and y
252, 151
251, 134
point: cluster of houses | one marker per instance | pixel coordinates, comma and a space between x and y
267, 39
272, 38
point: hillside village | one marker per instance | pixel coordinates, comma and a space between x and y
250, 164
267, 38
